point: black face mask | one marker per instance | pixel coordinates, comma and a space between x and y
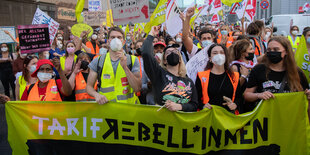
84, 65
138, 51
274, 57
250, 56
173, 59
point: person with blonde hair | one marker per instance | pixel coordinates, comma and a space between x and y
171, 87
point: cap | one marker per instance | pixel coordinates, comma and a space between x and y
39, 64
172, 46
160, 43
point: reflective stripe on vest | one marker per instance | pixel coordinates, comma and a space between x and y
80, 89
139, 58
52, 92
294, 44
22, 85
116, 87
63, 61
90, 45
204, 78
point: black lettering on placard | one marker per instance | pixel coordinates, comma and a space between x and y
156, 133
228, 136
244, 132
113, 127
262, 130
184, 140
204, 138
170, 138
216, 137
143, 130
127, 130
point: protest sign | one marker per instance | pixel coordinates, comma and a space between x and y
77, 29
173, 20
158, 16
66, 14
94, 18
33, 38
135, 11
41, 17
5, 38
94, 5
197, 64
275, 126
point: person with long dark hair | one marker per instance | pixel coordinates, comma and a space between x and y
218, 84
6, 70
25, 79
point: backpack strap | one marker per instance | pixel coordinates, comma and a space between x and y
100, 64
30, 87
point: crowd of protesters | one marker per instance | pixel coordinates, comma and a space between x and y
245, 65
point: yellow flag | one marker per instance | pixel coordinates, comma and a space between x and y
109, 18
158, 16
192, 21
139, 27
78, 10
230, 2
126, 29
302, 57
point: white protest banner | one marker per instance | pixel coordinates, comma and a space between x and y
216, 6
250, 10
134, 11
94, 18
5, 38
197, 64
94, 5
173, 20
41, 17
215, 19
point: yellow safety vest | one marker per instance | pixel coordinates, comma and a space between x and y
22, 85
63, 61
116, 88
294, 44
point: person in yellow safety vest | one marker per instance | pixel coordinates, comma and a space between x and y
67, 62
47, 88
78, 78
118, 73
25, 79
293, 38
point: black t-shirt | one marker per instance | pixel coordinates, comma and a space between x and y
219, 86
273, 83
165, 85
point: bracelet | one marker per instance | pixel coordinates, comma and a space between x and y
257, 95
243, 76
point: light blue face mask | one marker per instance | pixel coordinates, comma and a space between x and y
308, 40
224, 32
206, 43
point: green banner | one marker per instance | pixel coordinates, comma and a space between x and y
276, 126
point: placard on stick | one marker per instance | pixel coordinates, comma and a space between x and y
34, 38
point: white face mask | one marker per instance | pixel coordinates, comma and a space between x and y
59, 44
116, 45
295, 33
59, 38
44, 77
4, 49
47, 56
219, 59
267, 35
94, 36
23, 55
32, 68
103, 51
178, 40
